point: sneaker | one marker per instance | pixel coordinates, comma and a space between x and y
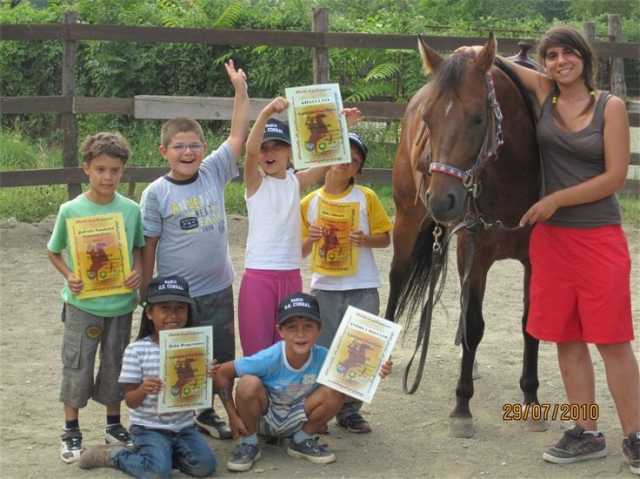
243, 457
576, 446
311, 451
99, 456
211, 423
71, 446
118, 434
631, 451
354, 423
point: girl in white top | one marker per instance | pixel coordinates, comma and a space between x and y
273, 254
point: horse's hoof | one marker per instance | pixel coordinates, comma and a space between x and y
532, 425
461, 428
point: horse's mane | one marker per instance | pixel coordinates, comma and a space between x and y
450, 74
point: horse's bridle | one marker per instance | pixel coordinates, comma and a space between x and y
490, 146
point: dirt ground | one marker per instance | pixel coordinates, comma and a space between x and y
409, 437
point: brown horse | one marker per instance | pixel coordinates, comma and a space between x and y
449, 178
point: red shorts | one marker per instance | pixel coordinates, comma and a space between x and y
580, 285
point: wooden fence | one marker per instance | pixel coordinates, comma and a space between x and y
163, 107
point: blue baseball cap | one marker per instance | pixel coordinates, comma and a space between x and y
355, 139
276, 130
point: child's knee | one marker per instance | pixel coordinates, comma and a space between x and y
248, 387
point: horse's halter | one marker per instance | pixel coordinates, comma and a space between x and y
487, 151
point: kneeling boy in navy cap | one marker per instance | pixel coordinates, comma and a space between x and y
277, 394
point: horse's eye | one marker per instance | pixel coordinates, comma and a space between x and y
478, 119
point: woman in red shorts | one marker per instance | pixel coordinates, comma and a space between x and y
580, 287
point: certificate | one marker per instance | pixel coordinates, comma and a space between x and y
185, 355
100, 255
318, 130
334, 254
362, 343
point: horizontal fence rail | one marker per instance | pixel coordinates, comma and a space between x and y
210, 108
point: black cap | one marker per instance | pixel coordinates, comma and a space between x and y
299, 304
356, 140
276, 130
168, 288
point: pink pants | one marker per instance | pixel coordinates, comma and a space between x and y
258, 299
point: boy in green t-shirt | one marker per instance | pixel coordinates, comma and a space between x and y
104, 320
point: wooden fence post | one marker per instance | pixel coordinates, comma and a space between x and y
320, 23
589, 31
69, 121
618, 86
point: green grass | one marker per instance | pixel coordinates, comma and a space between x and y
34, 203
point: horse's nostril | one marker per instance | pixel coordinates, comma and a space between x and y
452, 201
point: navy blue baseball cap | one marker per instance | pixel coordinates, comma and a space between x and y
276, 130
298, 304
355, 139
162, 289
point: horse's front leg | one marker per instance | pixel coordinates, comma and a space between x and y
529, 380
461, 419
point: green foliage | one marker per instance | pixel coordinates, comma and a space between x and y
592, 9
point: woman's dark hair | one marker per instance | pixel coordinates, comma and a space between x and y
567, 37
146, 325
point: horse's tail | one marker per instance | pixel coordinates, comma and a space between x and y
413, 292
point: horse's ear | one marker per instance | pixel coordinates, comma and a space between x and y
487, 55
430, 58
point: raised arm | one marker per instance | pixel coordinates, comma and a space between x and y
252, 177
536, 82
240, 116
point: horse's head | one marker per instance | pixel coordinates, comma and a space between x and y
460, 119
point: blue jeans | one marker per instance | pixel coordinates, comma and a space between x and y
158, 452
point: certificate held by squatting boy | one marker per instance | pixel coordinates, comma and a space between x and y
362, 343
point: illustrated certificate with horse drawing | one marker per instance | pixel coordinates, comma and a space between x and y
98, 248
319, 135
334, 254
184, 357
362, 343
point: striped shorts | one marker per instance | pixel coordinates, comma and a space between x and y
282, 420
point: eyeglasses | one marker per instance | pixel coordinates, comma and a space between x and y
182, 147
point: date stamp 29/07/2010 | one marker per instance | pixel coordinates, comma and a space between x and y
563, 412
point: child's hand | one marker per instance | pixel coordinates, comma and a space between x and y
75, 284
315, 233
277, 105
152, 386
213, 369
386, 369
352, 115
238, 78
132, 281
357, 238
238, 428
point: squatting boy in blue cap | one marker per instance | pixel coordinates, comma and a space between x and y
277, 394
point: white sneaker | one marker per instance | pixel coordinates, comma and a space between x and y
71, 446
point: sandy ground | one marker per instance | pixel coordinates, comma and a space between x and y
410, 432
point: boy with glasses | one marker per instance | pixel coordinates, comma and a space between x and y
184, 220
